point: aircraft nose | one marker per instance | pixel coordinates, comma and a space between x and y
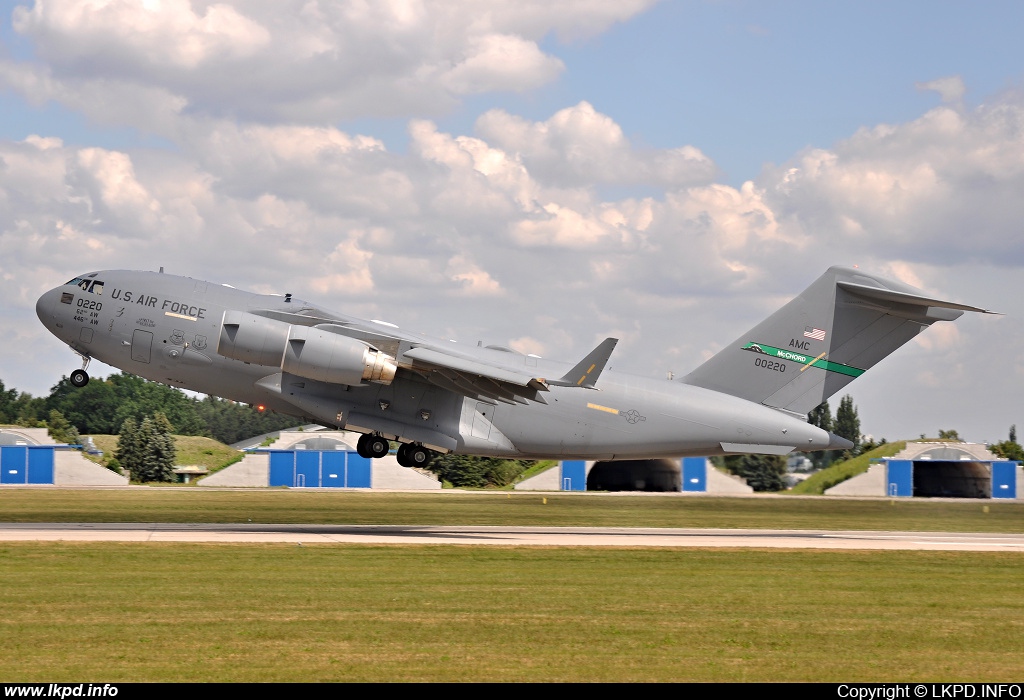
44, 307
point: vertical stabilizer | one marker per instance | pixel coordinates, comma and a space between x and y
833, 332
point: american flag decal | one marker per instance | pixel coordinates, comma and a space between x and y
815, 333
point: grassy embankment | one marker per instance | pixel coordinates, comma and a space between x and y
190, 449
117, 612
827, 478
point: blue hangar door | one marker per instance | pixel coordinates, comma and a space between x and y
695, 474
26, 464
574, 475
313, 468
1004, 479
900, 478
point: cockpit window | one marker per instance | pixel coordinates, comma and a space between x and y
87, 285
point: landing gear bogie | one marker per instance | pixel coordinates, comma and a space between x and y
412, 455
372, 446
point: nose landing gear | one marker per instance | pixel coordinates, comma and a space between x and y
80, 377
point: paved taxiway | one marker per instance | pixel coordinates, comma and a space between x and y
508, 536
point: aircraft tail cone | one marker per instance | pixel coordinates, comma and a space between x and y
838, 443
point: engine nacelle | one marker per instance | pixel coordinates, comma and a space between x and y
302, 351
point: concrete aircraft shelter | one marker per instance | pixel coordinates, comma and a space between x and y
938, 469
30, 457
318, 459
690, 474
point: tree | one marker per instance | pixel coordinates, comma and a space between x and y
847, 423
1009, 449
129, 453
159, 451
147, 450
821, 416
949, 435
58, 427
8, 408
762, 472
477, 472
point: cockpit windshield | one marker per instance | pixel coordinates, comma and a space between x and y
87, 285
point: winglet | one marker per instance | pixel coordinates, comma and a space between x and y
586, 373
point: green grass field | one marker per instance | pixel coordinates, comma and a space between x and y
168, 612
108, 612
326, 506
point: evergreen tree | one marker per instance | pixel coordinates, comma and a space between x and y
130, 453
58, 427
847, 423
477, 472
821, 416
762, 472
159, 450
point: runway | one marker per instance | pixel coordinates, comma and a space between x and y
507, 536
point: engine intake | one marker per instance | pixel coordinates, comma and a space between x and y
302, 351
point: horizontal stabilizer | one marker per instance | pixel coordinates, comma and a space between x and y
888, 295
586, 373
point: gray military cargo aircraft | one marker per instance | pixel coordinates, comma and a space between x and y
433, 395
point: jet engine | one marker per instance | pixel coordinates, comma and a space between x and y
306, 352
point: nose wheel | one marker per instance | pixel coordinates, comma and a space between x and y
80, 377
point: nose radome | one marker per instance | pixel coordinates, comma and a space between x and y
44, 307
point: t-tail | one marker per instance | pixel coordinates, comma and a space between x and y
834, 331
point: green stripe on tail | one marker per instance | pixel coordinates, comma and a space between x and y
802, 359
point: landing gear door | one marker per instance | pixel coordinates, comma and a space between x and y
482, 420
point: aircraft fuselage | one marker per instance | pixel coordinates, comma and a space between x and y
177, 331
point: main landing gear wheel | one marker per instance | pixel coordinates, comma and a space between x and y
410, 455
79, 378
372, 446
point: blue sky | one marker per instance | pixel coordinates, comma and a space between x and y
490, 199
